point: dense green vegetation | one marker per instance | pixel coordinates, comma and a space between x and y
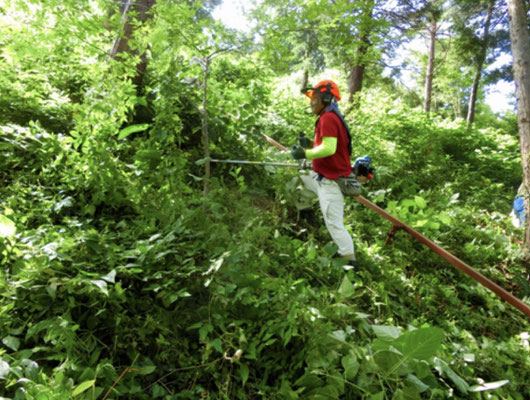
120, 279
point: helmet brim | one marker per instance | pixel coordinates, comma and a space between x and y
309, 91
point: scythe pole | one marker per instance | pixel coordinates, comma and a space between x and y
273, 164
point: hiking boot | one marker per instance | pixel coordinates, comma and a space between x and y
310, 217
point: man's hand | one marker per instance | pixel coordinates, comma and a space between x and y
297, 152
304, 141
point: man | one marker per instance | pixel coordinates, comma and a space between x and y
331, 159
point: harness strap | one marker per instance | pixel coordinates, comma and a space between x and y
335, 109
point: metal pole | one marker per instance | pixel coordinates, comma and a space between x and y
274, 164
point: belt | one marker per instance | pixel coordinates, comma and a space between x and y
320, 177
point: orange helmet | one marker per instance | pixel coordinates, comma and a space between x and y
326, 86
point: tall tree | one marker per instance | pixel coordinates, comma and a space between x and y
480, 28
140, 8
423, 17
521, 71
479, 62
432, 30
290, 33
453, 79
358, 63
311, 43
432, 12
357, 36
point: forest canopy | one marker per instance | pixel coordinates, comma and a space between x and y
134, 266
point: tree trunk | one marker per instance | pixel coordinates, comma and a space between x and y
473, 96
521, 71
307, 53
430, 67
457, 105
122, 42
305, 79
355, 83
480, 64
205, 138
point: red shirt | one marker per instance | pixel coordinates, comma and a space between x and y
338, 164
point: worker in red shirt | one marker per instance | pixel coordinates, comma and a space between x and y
330, 153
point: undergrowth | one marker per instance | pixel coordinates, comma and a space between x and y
113, 280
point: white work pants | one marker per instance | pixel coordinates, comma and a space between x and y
332, 205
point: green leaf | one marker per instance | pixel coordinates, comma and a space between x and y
386, 332
420, 202
407, 393
445, 219
286, 391
102, 285
12, 342
420, 344
243, 372
7, 227
488, 386
381, 344
204, 330
361, 315
214, 267
202, 161
346, 288
338, 335
420, 386
132, 129
217, 345
110, 277
408, 203
327, 392
378, 396
410, 392
351, 366
158, 391
146, 370
420, 223
443, 368
390, 362
83, 387
8, 307
4, 369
